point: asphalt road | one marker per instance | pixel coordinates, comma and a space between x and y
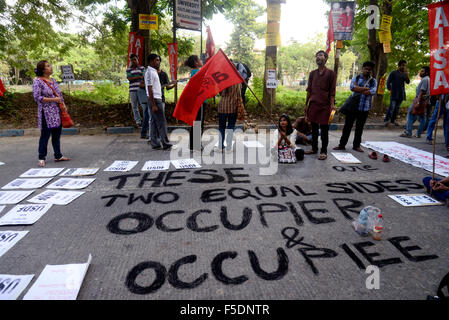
227, 232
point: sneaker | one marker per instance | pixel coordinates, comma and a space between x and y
404, 135
429, 142
157, 148
416, 136
339, 148
168, 146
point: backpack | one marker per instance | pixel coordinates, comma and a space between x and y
248, 71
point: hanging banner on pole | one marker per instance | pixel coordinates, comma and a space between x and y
148, 22
343, 19
188, 14
173, 60
439, 38
135, 45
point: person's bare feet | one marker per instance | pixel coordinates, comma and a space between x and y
358, 149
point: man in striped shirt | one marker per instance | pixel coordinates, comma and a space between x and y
135, 74
365, 86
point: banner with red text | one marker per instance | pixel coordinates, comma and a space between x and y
135, 45
439, 43
173, 60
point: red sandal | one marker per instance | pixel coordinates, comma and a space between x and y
373, 155
386, 158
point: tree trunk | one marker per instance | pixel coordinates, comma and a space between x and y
269, 95
141, 7
377, 54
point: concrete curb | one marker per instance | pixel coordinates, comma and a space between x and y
11, 133
70, 131
119, 130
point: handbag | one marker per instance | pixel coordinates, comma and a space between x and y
419, 107
286, 155
66, 121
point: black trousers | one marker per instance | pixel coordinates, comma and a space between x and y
324, 136
199, 117
55, 134
244, 87
359, 117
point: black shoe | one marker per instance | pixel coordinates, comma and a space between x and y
168, 146
157, 148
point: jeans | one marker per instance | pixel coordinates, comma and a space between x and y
138, 97
393, 110
359, 117
324, 137
231, 119
440, 195
243, 91
411, 119
158, 126
433, 120
301, 140
55, 134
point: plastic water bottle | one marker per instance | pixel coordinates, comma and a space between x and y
366, 220
378, 227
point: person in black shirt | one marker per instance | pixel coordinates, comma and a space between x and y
395, 84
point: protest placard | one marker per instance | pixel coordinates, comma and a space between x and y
13, 197
415, 200
59, 282
11, 286
9, 238
345, 157
185, 164
73, 172
24, 214
121, 166
70, 183
156, 165
27, 183
56, 197
41, 173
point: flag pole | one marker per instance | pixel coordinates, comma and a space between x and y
435, 138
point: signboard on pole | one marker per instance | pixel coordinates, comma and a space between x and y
148, 22
188, 14
271, 79
439, 41
135, 46
173, 60
67, 73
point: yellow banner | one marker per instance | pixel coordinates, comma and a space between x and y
272, 39
387, 47
339, 44
384, 36
385, 25
273, 27
148, 22
274, 12
382, 82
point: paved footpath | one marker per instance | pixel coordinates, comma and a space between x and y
226, 232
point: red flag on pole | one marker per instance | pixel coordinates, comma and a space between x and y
2, 88
330, 34
216, 75
439, 42
210, 45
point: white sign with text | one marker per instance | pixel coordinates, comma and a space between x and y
156, 165
121, 166
56, 197
73, 172
13, 197
70, 183
9, 238
41, 173
11, 286
185, 164
27, 183
24, 214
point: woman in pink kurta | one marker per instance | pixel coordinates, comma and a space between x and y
48, 111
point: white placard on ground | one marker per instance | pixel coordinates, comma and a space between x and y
59, 282
1, 208
24, 214
185, 164
56, 197
156, 165
70, 183
27, 183
121, 166
253, 144
416, 157
345, 157
13, 197
9, 238
11, 286
1, 163
73, 172
41, 173
415, 200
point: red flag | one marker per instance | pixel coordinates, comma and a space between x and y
439, 41
210, 45
216, 75
2, 88
330, 34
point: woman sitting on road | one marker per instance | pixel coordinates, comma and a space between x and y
48, 97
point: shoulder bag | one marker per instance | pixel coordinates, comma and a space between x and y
66, 121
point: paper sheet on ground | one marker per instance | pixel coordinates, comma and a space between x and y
185, 164
59, 282
415, 157
415, 200
73, 172
9, 238
56, 197
27, 183
13, 197
1, 208
41, 173
345, 157
1, 163
156, 165
11, 286
253, 144
70, 183
121, 166
24, 214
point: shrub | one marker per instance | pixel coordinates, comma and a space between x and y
105, 94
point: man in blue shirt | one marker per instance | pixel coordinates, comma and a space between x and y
135, 74
365, 86
395, 84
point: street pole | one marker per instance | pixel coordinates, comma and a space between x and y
174, 41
